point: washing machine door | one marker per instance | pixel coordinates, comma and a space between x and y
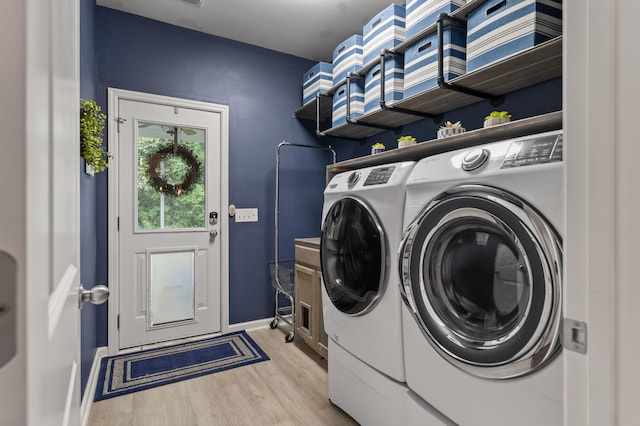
481, 274
353, 256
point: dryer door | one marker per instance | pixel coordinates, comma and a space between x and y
481, 273
353, 256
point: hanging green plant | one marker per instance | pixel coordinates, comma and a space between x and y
164, 180
91, 126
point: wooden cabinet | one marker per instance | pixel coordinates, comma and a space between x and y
308, 290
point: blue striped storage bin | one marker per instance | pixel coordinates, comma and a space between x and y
339, 115
318, 79
501, 28
423, 13
384, 31
421, 60
347, 57
393, 83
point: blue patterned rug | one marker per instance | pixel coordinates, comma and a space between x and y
123, 374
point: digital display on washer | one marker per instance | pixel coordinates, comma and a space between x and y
379, 176
539, 150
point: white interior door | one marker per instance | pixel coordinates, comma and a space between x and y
39, 226
169, 205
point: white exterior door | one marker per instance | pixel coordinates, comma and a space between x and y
39, 213
169, 208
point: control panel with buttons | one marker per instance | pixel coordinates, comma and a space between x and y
379, 176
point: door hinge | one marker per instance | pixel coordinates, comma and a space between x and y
118, 322
118, 224
574, 336
119, 120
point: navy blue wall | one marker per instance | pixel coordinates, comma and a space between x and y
88, 236
262, 89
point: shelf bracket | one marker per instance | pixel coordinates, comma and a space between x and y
319, 132
444, 19
356, 76
386, 53
318, 95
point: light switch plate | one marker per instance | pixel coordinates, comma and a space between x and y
246, 215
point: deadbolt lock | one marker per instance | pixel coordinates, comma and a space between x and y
213, 218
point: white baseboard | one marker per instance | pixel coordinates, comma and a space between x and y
251, 325
90, 390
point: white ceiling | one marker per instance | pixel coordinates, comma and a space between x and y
306, 28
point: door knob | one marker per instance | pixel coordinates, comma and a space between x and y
97, 295
213, 234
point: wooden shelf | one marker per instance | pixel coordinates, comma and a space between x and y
535, 65
514, 129
308, 110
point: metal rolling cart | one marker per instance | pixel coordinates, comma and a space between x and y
282, 271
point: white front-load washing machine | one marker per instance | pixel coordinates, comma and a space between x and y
361, 232
480, 268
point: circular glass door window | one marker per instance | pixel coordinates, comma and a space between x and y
353, 255
479, 281
481, 274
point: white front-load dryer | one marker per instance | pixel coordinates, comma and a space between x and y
361, 232
481, 268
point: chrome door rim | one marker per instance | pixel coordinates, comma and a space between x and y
384, 256
544, 343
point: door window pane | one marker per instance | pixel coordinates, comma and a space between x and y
171, 287
170, 178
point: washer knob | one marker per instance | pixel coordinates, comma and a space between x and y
474, 159
353, 178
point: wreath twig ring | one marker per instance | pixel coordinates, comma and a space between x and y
158, 181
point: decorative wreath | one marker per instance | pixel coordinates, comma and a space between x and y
159, 183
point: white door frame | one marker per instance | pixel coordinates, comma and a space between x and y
590, 239
601, 90
115, 95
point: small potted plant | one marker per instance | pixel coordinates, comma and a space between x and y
450, 129
92, 122
497, 117
405, 141
377, 148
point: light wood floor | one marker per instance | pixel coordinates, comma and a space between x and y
290, 389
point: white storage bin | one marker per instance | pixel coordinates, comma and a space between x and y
421, 60
384, 31
423, 13
356, 104
347, 57
501, 28
393, 83
317, 79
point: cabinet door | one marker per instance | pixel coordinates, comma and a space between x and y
305, 285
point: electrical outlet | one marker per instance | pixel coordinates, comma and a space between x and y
246, 215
